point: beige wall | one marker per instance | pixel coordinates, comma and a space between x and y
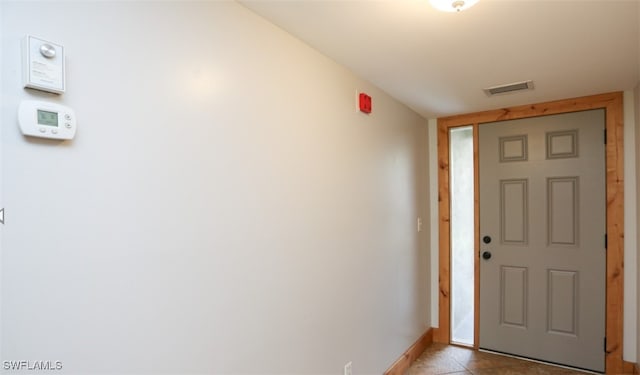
637, 192
637, 144
223, 209
630, 225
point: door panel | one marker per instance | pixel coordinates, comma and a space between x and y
513, 301
562, 210
513, 212
542, 196
562, 300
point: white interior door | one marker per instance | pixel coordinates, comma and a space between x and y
542, 220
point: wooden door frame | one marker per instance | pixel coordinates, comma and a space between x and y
612, 103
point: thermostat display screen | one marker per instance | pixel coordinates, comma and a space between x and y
47, 118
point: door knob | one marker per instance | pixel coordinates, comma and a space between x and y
486, 239
486, 255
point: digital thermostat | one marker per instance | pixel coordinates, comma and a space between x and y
46, 120
43, 65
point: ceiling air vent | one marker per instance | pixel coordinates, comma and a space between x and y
509, 88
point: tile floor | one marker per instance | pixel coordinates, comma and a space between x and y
453, 360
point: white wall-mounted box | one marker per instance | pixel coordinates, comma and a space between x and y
43, 65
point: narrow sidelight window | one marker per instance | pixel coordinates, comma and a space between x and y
462, 234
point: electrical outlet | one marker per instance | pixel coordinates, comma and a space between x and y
419, 224
347, 369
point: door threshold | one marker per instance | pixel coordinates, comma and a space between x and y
540, 362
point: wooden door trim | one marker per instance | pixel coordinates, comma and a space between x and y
612, 104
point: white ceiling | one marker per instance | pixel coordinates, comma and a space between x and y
438, 63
